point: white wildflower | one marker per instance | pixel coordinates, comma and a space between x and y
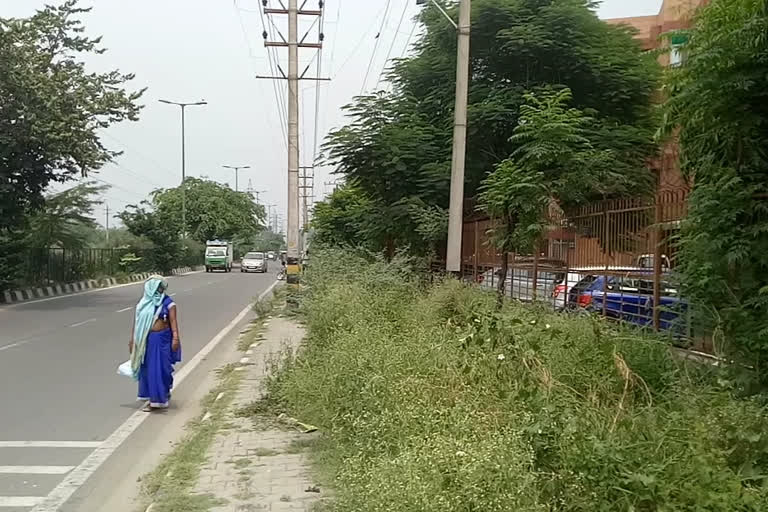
533, 322
461, 454
500, 357
547, 326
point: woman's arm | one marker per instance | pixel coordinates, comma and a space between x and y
174, 327
133, 331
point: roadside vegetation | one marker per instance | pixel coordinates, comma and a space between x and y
430, 398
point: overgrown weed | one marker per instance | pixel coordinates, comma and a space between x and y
431, 399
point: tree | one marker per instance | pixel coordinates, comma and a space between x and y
555, 163
65, 219
345, 218
396, 148
163, 231
212, 210
51, 111
718, 110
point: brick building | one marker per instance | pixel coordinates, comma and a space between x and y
673, 15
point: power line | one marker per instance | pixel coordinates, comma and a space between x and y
317, 88
376, 46
159, 167
392, 46
272, 69
357, 46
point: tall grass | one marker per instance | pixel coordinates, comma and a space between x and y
431, 399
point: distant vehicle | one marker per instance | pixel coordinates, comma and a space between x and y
218, 256
254, 262
271, 255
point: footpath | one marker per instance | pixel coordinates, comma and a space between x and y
255, 462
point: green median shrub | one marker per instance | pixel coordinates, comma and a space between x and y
431, 399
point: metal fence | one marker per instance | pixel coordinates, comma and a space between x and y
616, 258
46, 266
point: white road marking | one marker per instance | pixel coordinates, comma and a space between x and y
78, 324
18, 344
50, 444
78, 476
124, 309
35, 470
19, 501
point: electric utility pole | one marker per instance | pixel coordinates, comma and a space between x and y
293, 43
106, 218
458, 159
307, 192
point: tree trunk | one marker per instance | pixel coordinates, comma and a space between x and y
502, 280
390, 248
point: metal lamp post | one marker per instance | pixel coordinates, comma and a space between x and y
183, 157
237, 169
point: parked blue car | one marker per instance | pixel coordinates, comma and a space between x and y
629, 298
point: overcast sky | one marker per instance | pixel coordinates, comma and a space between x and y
187, 50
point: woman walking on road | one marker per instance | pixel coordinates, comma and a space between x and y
155, 345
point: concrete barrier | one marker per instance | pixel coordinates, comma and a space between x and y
13, 296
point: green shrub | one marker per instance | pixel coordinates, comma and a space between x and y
433, 400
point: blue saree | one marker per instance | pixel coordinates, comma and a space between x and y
156, 373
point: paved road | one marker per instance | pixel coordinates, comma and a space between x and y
60, 394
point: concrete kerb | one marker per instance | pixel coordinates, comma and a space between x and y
13, 296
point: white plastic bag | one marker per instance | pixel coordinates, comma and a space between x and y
125, 369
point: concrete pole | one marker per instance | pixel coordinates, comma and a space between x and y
456, 220
293, 132
183, 173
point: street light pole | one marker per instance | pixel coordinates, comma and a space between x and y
237, 169
458, 158
183, 107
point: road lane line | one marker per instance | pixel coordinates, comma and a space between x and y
124, 309
78, 476
35, 470
17, 344
19, 501
78, 324
50, 444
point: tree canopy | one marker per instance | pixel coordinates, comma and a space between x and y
65, 220
51, 111
396, 148
718, 109
213, 211
51, 107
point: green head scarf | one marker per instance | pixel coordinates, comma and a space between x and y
146, 314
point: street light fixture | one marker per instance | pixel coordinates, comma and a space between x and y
183, 157
237, 169
257, 193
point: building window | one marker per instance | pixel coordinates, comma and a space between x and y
676, 55
676, 51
